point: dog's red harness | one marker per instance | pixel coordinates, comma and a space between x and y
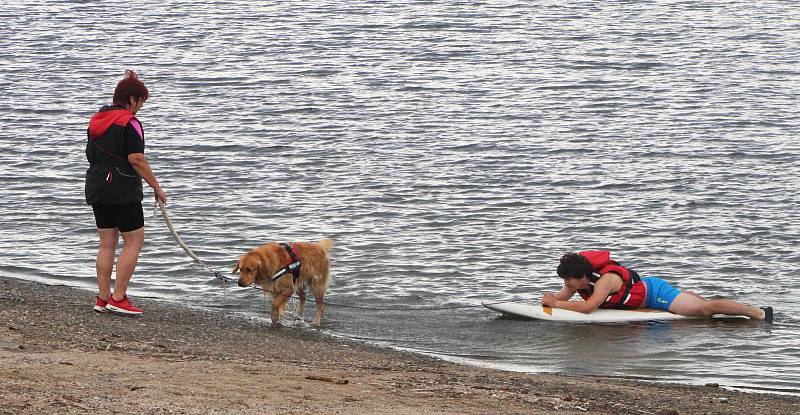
292, 265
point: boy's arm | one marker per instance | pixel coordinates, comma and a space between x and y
565, 294
549, 298
602, 289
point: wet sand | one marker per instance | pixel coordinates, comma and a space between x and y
58, 356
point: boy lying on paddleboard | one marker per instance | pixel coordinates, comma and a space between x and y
604, 283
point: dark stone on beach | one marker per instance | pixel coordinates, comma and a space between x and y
379, 380
712, 385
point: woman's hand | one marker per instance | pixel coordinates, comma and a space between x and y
160, 195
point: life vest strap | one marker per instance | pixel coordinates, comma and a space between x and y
633, 277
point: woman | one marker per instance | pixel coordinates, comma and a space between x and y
115, 150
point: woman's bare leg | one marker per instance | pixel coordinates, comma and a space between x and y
106, 252
134, 240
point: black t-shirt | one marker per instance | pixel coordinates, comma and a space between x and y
134, 141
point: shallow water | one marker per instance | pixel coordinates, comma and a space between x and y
454, 151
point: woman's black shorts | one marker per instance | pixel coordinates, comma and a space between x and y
126, 218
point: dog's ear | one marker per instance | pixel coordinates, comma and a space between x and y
262, 268
236, 266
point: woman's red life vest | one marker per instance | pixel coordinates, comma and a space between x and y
633, 292
102, 121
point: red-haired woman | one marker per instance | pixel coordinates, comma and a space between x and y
115, 150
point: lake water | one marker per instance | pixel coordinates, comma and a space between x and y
454, 150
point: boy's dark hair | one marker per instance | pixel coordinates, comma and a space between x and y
574, 265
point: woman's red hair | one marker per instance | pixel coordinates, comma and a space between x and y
130, 86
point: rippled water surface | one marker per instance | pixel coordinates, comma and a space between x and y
453, 150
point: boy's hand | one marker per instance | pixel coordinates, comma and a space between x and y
548, 299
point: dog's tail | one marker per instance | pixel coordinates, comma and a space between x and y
326, 245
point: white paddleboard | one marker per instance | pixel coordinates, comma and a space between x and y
602, 315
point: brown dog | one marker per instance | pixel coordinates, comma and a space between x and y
263, 266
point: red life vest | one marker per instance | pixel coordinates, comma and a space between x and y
102, 121
633, 292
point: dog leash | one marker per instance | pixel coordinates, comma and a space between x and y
160, 205
228, 280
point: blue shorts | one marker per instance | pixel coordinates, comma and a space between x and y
660, 294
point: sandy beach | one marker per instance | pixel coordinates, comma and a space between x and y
58, 356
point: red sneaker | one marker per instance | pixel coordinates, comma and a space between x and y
100, 305
123, 306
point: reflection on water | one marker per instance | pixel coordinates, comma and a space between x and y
453, 154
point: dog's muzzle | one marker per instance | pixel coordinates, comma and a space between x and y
241, 283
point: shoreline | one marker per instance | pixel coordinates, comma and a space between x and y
59, 356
